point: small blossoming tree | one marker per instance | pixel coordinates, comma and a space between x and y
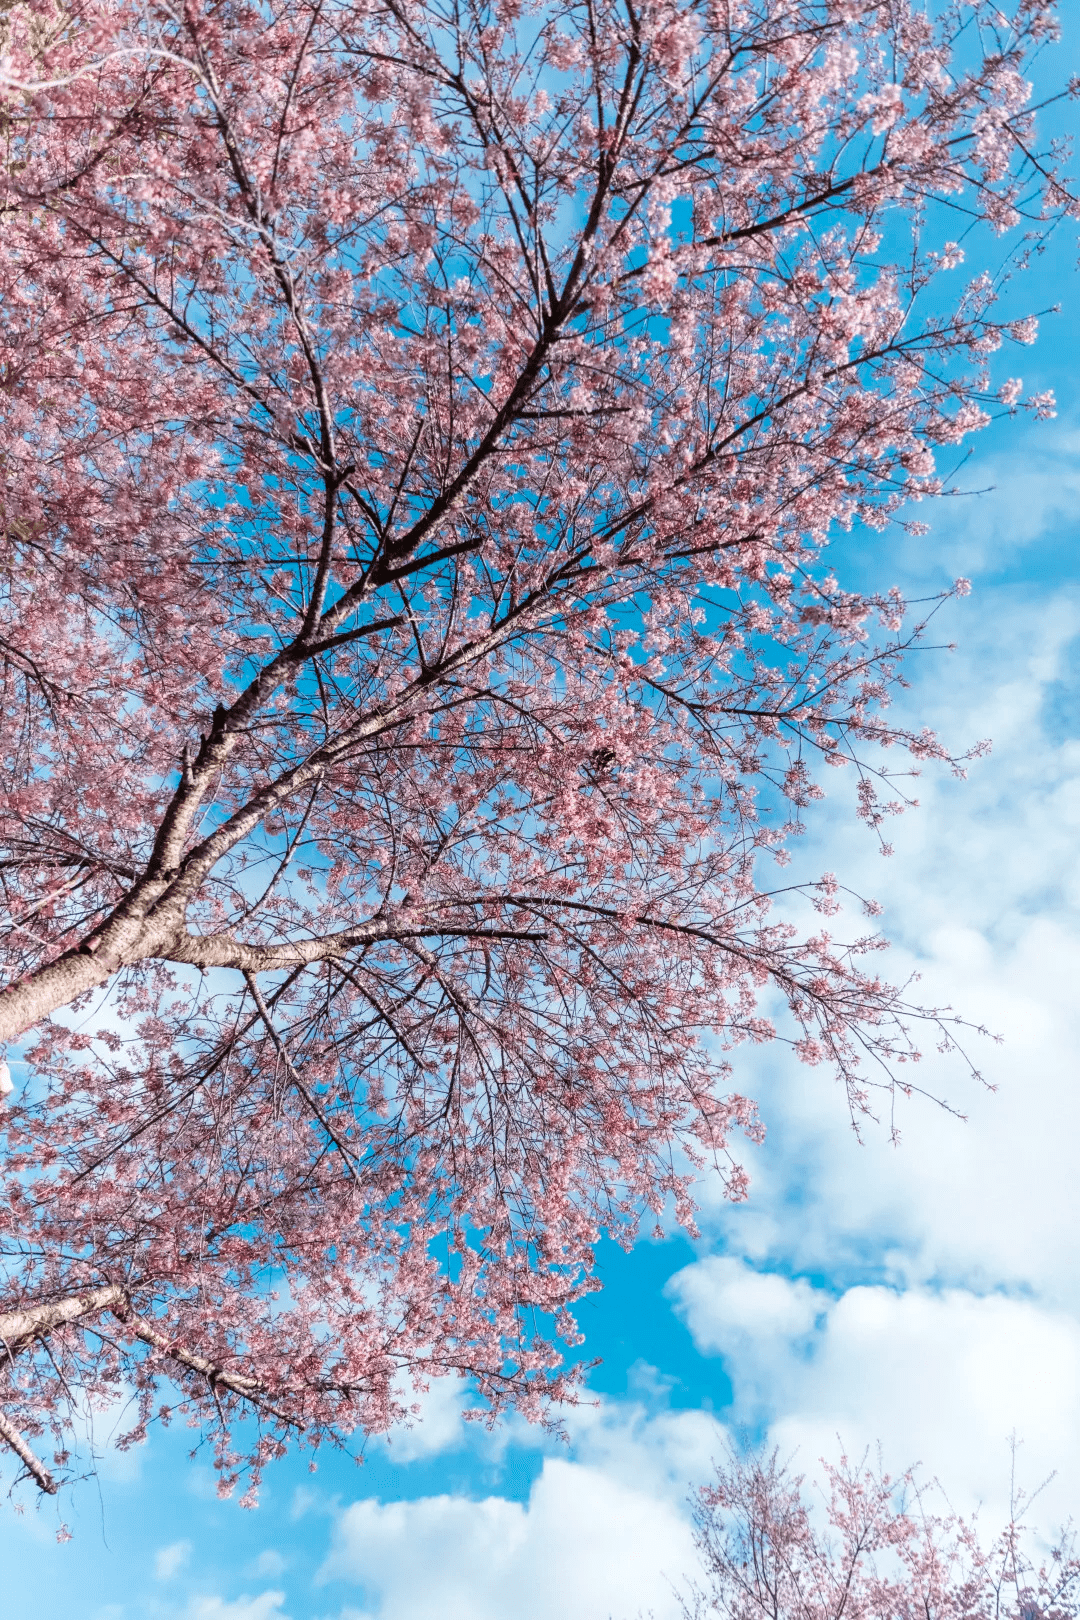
871, 1547
423, 421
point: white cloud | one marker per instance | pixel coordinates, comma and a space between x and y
269, 1563
1026, 492
725, 1303
584, 1547
663, 1452
945, 1380
168, 1561
983, 897
940, 1378
266, 1606
437, 1426
952, 1315
603, 1533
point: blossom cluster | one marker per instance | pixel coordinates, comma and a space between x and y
423, 426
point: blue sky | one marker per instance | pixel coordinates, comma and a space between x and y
927, 1296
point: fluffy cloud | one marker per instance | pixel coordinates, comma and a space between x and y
168, 1561
267, 1606
941, 1378
436, 1426
1030, 489
583, 1547
726, 1305
951, 1311
982, 898
604, 1531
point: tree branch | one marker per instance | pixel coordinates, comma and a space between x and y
30, 1460
19, 1327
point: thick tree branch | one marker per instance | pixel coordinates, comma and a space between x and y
19, 1327
11, 1437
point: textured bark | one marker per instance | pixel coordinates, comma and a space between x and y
29, 1458
17, 1327
31, 1000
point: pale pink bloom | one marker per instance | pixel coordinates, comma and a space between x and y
419, 651
869, 1545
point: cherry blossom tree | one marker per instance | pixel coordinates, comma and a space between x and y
423, 423
871, 1547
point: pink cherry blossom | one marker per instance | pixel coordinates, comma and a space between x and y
869, 1545
423, 427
